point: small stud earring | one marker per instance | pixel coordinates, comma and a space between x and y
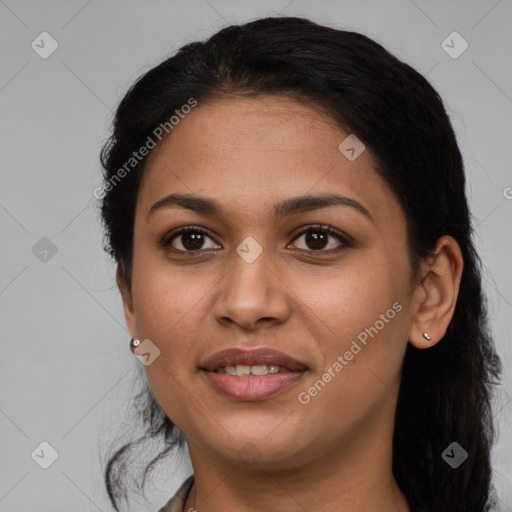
134, 343
426, 336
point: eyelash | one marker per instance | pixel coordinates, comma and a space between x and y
325, 229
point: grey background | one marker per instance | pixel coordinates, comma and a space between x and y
67, 375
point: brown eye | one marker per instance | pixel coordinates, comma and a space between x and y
316, 238
190, 238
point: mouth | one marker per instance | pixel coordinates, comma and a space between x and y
255, 370
252, 375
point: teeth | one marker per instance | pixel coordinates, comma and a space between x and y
260, 369
243, 370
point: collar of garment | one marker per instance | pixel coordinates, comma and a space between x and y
177, 502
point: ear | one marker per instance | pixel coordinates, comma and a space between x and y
436, 294
126, 294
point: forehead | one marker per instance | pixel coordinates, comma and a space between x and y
250, 151
237, 126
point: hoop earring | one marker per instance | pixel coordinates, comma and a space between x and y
134, 343
426, 336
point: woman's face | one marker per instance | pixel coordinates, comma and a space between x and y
338, 302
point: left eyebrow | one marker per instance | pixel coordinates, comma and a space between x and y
288, 207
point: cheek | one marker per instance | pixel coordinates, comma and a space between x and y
168, 305
168, 308
365, 310
355, 295
366, 313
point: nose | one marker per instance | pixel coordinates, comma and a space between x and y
253, 294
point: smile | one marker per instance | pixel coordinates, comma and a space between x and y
249, 370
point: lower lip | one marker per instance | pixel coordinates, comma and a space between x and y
252, 388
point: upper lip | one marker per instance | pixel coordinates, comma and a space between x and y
236, 356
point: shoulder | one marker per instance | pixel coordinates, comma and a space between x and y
177, 502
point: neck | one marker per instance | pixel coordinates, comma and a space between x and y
353, 476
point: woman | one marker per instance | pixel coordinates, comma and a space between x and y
286, 206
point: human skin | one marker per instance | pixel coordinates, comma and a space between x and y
335, 452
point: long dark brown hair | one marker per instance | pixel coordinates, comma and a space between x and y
446, 390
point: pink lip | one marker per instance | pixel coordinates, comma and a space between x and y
234, 356
252, 388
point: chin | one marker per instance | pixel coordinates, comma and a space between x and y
262, 454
